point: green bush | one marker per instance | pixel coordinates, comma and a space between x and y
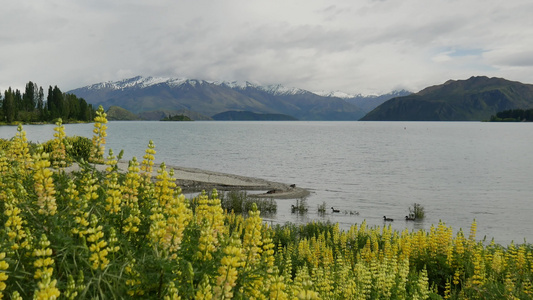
77, 147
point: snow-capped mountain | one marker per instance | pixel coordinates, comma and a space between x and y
144, 82
140, 94
337, 94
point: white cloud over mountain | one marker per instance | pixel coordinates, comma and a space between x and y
350, 46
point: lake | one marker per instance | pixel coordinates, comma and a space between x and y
458, 171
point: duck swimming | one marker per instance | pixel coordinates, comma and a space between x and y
387, 219
335, 210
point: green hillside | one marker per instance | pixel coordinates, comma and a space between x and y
474, 99
116, 113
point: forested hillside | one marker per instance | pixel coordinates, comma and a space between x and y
31, 106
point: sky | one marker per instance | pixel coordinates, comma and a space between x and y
356, 47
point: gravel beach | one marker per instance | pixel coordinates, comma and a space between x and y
195, 180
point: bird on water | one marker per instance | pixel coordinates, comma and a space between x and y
387, 219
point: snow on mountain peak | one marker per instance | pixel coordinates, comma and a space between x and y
278, 89
138, 81
337, 94
275, 89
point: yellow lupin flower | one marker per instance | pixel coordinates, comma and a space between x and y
210, 217
226, 280
423, 285
133, 281
59, 153
15, 296
130, 198
164, 185
252, 241
147, 165
473, 230
172, 292
303, 285
113, 189
44, 185
14, 226
204, 290
277, 288
98, 246
3, 276
98, 140
46, 288
479, 269
19, 151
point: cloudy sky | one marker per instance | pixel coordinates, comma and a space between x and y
363, 46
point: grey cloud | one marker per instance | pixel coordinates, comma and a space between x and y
353, 46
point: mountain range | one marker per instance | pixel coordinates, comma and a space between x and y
153, 98
473, 99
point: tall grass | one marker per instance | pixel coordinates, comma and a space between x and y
240, 202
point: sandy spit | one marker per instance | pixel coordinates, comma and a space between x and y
196, 180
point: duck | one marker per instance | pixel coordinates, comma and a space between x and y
387, 219
407, 218
335, 210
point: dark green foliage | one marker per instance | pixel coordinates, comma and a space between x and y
8, 106
290, 232
513, 115
31, 106
176, 118
416, 212
77, 147
240, 202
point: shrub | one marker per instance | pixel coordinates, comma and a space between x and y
416, 212
240, 202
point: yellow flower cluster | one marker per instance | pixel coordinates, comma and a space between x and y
44, 186
98, 140
114, 189
3, 276
130, 192
46, 287
136, 234
98, 246
59, 152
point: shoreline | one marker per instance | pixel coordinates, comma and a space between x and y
195, 180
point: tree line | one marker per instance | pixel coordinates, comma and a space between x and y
32, 106
513, 115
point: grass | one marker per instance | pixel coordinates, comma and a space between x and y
240, 202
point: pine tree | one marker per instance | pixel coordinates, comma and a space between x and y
29, 99
40, 105
9, 106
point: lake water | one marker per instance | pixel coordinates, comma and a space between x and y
458, 171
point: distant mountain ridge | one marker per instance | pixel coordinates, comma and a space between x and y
473, 99
142, 95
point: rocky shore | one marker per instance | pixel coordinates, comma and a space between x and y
196, 180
